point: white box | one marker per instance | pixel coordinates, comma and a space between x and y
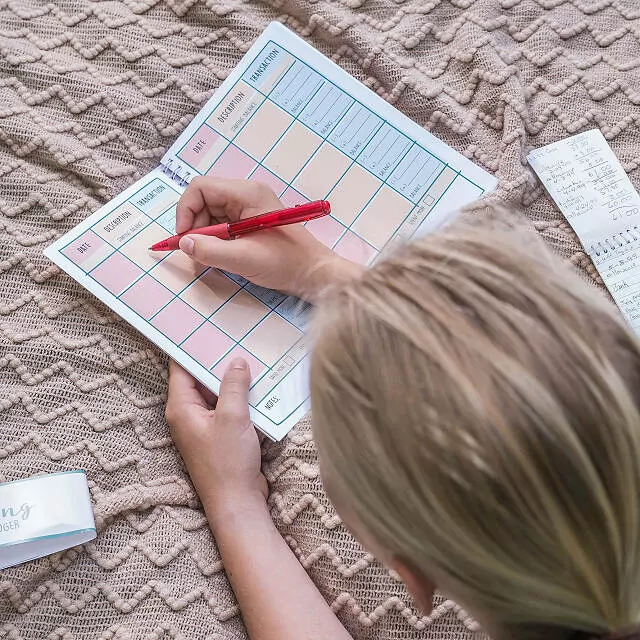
42, 515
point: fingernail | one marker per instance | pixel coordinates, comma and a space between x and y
238, 363
186, 244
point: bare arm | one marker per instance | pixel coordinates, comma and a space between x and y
220, 447
277, 598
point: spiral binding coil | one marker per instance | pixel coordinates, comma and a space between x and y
177, 173
616, 241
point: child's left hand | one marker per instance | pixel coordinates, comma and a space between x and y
220, 446
221, 450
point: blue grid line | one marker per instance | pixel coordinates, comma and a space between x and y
178, 294
269, 312
433, 206
355, 101
324, 138
384, 246
206, 319
126, 258
302, 168
364, 146
227, 140
289, 185
355, 161
116, 207
430, 208
284, 377
339, 120
297, 117
469, 180
222, 135
415, 206
238, 341
341, 93
384, 183
146, 272
271, 42
241, 129
295, 75
149, 273
375, 193
260, 165
113, 247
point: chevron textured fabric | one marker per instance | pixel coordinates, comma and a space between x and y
91, 93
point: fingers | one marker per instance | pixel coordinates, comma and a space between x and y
214, 252
233, 399
207, 395
223, 198
183, 394
187, 219
202, 219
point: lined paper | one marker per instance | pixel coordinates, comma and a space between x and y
594, 193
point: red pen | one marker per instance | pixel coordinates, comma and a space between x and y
231, 230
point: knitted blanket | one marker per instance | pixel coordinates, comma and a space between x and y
91, 94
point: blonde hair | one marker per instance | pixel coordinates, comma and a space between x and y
475, 404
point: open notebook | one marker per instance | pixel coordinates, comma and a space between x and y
288, 117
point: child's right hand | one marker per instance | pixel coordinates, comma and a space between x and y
289, 258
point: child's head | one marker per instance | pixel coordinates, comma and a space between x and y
475, 405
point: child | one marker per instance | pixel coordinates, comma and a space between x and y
475, 408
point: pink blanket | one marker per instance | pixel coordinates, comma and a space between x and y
91, 93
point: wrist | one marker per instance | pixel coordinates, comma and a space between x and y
229, 507
327, 270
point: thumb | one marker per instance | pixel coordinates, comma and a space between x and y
213, 252
233, 399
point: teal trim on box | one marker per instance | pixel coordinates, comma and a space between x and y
51, 535
42, 477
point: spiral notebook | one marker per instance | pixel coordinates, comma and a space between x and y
594, 193
290, 118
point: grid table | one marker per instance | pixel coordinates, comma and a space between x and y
280, 121
286, 125
211, 315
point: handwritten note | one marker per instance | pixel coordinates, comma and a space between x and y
594, 193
